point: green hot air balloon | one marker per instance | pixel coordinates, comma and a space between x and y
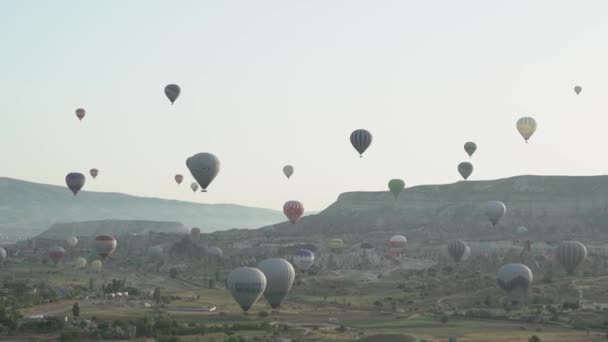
396, 186
246, 285
279, 277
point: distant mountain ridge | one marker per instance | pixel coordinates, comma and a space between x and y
31, 208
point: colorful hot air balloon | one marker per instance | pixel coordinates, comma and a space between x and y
336, 245
396, 186
577, 89
104, 245
526, 126
361, 139
458, 250
214, 252
293, 210
75, 181
465, 169
71, 242
304, 259
279, 278
570, 254
514, 276
494, 210
80, 113
172, 92
397, 241
194, 186
94, 173
179, 178
246, 285
203, 167
96, 266
80, 263
288, 171
56, 253
470, 148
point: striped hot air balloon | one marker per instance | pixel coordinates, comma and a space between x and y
397, 241
570, 254
56, 253
104, 245
458, 250
336, 245
293, 210
304, 259
526, 126
361, 139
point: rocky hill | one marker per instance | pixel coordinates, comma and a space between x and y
61, 231
29, 208
552, 207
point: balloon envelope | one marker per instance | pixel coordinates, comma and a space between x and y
179, 178
246, 285
470, 148
2, 254
397, 241
96, 266
578, 89
75, 181
204, 167
465, 169
172, 92
526, 126
293, 210
288, 171
56, 253
214, 252
304, 259
457, 250
80, 113
570, 254
72, 241
194, 186
94, 173
361, 139
521, 230
495, 210
336, 245
104, 245
395, 186
514, 276
279, 277
81, 262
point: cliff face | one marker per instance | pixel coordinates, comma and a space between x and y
552, 207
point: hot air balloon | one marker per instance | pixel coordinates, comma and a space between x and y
514, 276
398, 241
288, 171
155, 253
246, 285
494, 210
366, 245
522, 230
396, 186
465, 169
293, 210
570, 254
80, 113
179, 178
96, 266
336, 245
470, 148
81, 262
56, 253
458, 250
360, 139
75, 181
304, 259
577, 89
94, 172
71, 242
195, 233
172, 92
203, 167
214, 252
194, 186
526, 127
104, 245
279, 278
2, 255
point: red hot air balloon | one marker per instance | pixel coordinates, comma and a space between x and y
80, 113
104, 245
293, 210
56, 253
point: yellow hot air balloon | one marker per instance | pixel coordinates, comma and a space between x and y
526, 126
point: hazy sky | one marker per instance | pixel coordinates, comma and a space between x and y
265, 83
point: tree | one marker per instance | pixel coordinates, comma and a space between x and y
444, 319
534, 339
91, 284
76, 310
